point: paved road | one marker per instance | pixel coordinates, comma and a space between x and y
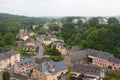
41, 50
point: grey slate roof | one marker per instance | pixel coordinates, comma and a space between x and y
47, 39
26, 62
30, 40
85, 53
50, 67
6, 53
99, 54
114, 60
86, 69
59, 66
57, 42
76, 55
42, 36
74, 48
45, 66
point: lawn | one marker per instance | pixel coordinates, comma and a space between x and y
28, 53
113, 78
56, 58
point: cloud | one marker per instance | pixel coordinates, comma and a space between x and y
61, 7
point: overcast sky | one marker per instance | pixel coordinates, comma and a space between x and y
61, 7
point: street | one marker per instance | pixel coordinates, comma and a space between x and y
41, 50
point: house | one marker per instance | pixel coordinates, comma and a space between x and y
23, 34
62, 49
59, 46
86, 71
59, 24
50, 70
72, 49
34, 26
104, 59
31, 33
42, 69
8, 58
30, 45
46, 26
84, 19
103, 21
47, 41
25, 66
19, 44
41, 37
75, 20
100, 58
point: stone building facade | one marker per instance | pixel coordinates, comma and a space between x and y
50, 70
100, 58
8, 58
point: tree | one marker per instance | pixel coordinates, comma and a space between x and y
40, 30
9, 38
93, 22
79, 22
55, 52
69, 75
2, 43
53, 27
6, 75
69, 19
113, 21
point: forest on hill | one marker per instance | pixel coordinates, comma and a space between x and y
90, 34
13, 23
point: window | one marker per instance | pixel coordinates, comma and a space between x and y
87, 70
113, 64
25, 62
91, 71
81, 69
21, 64
95, 71
29, 61
74, 68
62, 73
